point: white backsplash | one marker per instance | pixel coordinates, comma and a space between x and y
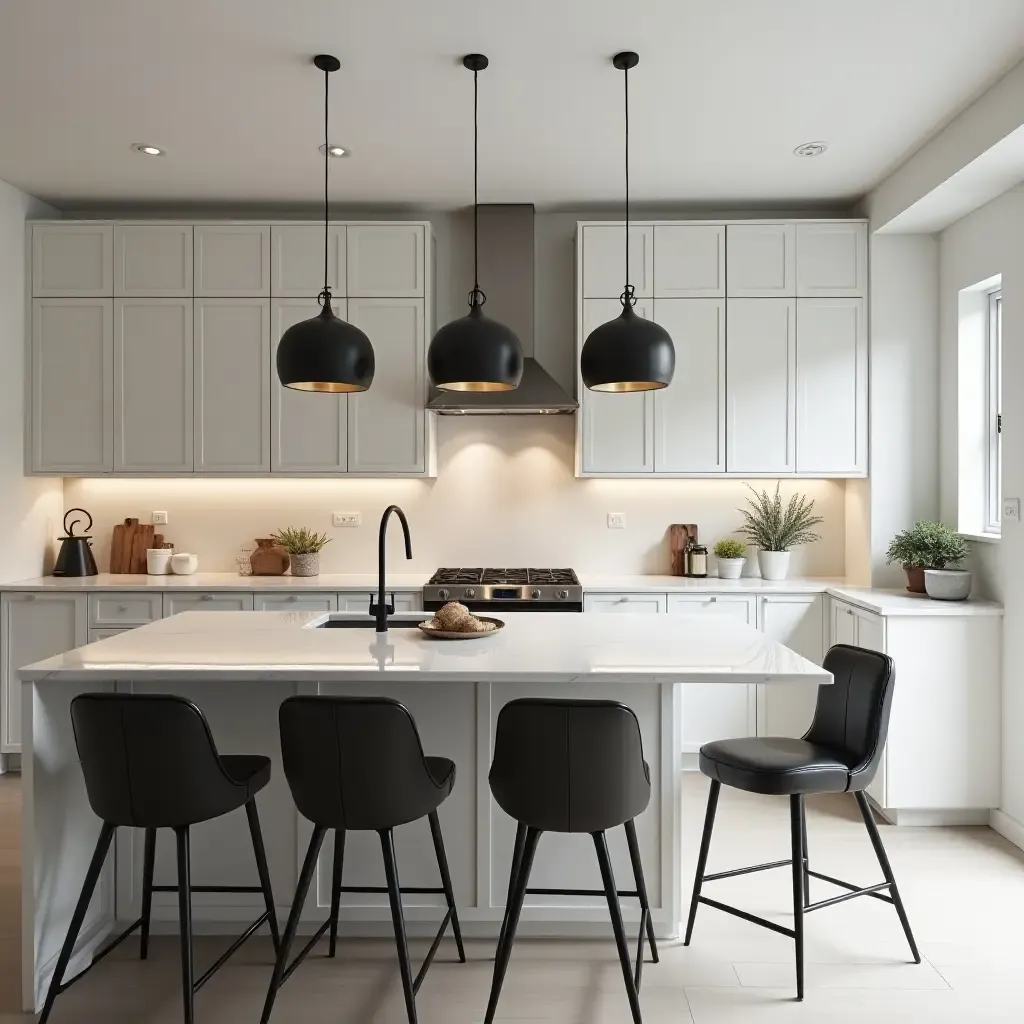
505, 495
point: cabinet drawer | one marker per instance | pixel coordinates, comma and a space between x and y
296, 602
207, 602
360, 601
105, 634
630, 603
124, 609
733, 606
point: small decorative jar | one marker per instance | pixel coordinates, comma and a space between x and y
306, 564
269, 558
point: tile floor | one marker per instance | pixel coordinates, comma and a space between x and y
964, 890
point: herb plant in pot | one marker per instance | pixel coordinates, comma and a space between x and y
731, 556
303, 547
926, 546
775, 527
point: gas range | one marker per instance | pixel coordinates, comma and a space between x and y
526, 590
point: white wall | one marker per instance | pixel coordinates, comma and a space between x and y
983, 244
30, 508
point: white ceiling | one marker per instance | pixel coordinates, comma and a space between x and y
723, 93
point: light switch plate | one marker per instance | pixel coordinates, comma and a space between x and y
616, 520
1011, 510
160, 519
347, 518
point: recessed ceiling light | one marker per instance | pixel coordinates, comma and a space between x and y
148, 150
810, 149
337, 151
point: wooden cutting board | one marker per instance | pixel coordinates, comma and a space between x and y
141, 542
679, 537
117, 547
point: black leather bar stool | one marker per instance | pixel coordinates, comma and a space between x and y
571, 766
839, 754
150, 762
355, 764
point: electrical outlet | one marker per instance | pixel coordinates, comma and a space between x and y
160, 519
616, 520
1011, 509
347, 519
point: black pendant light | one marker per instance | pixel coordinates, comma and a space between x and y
628, 353
475, 353
325, 353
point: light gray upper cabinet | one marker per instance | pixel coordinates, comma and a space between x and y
615, 432
72, 379
153, 260
689, 261
386, 260
297, 260
73, 260
310, 430
603, 260
760, 386
232, 260
232, 366
689, 415
761, 261
831, 386
387, 423
153, 385
832, 260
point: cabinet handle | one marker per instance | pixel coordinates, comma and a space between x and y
206, 597
122, 608
713, 600
30, 597
293, 597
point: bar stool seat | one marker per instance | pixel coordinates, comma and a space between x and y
775, 766
249, 770
442, 771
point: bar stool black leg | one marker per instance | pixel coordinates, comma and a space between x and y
702, 857
148, 863
796, 832
601, 844
514, 909
883, 862
645, 906
806, 855
339, 863
517, 860
185, 923
88, 887
301, 891
446, 881
264, 872
387, 845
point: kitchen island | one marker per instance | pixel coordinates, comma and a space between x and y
239, 666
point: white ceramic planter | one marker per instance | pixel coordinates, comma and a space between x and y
306, 565
947, 584
730, 568
774, 565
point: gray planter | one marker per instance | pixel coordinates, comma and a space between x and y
306, 565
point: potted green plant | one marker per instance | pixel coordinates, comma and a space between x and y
730, 555
926, 546
775, 527
303, 547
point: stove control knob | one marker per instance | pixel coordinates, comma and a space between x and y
442, 595
562, 595
470, 593
535, 594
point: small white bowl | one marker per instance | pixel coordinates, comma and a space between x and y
947, 584
184, 564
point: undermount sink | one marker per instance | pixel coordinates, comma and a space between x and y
394, 622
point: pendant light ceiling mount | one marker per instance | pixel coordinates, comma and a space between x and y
629, 353
325, 353
475, 353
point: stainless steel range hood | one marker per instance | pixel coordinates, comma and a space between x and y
506, 275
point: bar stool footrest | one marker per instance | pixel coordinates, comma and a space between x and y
232, 949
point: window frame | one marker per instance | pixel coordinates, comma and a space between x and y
993, 412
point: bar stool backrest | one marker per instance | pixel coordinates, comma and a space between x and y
569, 765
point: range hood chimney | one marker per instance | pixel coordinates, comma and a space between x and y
506, 276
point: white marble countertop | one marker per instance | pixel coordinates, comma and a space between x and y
533, 647
612, 583
902, 602
219, 581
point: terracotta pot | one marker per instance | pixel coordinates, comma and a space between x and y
269, 558
915, 578
307, 564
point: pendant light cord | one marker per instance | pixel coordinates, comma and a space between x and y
325, 295
629, 295
476, 296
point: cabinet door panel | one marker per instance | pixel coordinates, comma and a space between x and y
387, 424
604, 260
689, 261
628, 603
870, 631
310, 430
786, 709
386, 261
210, 601
831, 260
72, 380
761, 260
232, 260
153, 385
689, 415
273, 602
297, 261
616, 430
73, 260
153, 260
844, 624
232, 385
760, 385
831, 386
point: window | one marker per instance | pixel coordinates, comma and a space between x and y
993, 412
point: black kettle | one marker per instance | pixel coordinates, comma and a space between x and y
75, 555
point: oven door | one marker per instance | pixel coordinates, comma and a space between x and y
504, 607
